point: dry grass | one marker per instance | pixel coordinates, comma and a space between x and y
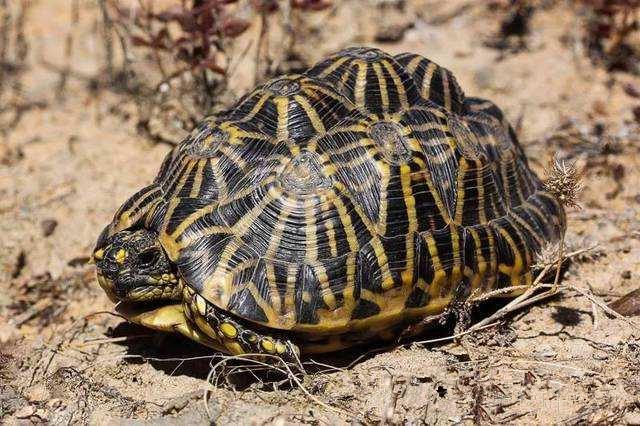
176, 60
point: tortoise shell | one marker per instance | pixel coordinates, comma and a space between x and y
365, 192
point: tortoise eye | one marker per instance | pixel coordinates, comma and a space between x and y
148, 258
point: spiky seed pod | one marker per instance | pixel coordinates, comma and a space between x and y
563, 181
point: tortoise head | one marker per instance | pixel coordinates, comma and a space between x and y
132, 266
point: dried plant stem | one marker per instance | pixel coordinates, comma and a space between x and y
281, 367
560, 259
107, 32
5, 29
262, 48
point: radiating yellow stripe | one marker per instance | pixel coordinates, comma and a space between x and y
402, 93
382, 84
385, 178
456, 270
327, 295
197, 182
463, 167
289, 295
361, 84
410, 202
311, 239
220, 181
479, 260
349, 230
311, 112
439, 274
282, 106
482, 214
527, 226
256, 108
446, 88
516, 270
248, 221
413, 63
274, 295
331, 234
189, 220
426, 80
334, 66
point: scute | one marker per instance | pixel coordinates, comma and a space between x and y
364, 194
292, 107
370, 78
304, 175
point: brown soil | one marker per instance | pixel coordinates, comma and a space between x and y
74, 155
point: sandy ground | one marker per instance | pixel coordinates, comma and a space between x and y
72, 159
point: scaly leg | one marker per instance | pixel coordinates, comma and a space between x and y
233, 334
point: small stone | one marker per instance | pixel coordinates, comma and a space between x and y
636, 113
48, 226
41, 414
632, 418
38, 393
8, 333
626, 275
628, 305
25, 412
392, 33
545, 352
54, 403
631, 90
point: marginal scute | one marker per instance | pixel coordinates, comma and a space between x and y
388, 135
304, 175
436, 83
370, 78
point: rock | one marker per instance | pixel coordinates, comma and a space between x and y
25, 412
545, 352
632, 418
38, 393
391, 33
48, 226
628, 305
8, 333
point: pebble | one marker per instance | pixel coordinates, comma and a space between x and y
25, 412
48, 226
545, 352
632, 418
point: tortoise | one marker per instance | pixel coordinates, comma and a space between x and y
328, 209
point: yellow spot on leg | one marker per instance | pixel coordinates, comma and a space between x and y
228, 330
268, 345
280, 348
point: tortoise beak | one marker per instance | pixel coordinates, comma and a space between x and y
108, 287
96, 256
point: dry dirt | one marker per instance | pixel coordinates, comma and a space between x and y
75, 155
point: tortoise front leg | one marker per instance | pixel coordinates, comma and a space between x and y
235, 336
